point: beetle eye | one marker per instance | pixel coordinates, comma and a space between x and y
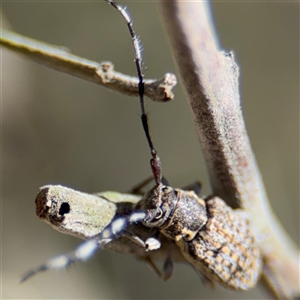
159, 213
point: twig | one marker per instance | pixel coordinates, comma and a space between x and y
210, 78
60, 58
85, 215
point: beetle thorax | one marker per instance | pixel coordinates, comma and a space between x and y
189, 217
178, 214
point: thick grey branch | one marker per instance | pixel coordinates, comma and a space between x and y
210, 78
60, 59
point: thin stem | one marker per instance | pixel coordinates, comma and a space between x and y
60, 59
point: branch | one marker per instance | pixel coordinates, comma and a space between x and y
85, 215
60, 59
210, 78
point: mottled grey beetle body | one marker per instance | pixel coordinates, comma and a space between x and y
214, 238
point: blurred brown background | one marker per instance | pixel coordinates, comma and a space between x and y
61, 130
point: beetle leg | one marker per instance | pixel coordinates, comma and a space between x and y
167, 270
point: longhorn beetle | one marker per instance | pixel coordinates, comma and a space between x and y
215, 239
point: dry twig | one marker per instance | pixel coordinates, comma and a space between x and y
60, 58
85, 215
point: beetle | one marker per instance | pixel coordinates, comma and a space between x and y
212, 237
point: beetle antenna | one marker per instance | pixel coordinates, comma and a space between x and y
155, 161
